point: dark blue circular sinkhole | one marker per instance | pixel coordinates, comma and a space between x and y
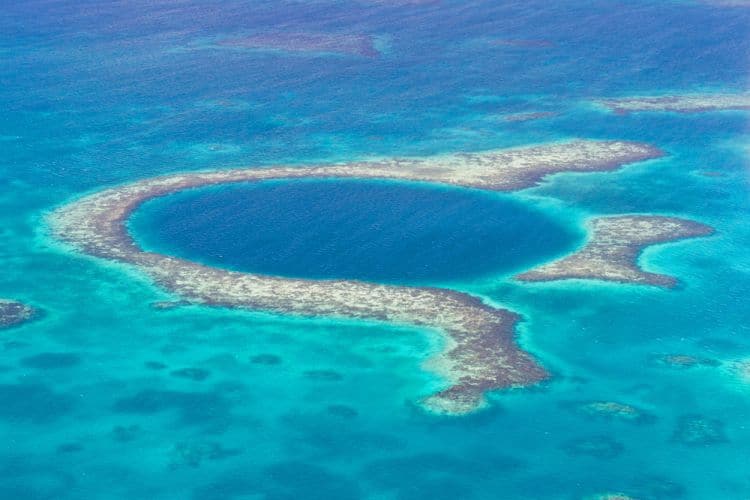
379, 231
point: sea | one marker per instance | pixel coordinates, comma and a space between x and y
104, 396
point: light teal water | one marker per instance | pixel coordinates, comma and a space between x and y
94, 399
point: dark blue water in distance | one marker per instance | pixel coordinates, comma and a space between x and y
375, 231
107, 397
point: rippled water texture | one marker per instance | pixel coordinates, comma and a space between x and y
375, 231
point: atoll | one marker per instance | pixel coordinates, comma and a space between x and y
480, 353
613, 248
692, 103
14, 313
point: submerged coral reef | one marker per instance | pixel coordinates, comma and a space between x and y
690, 103
479, 352
344, 44
13, 313
613, 248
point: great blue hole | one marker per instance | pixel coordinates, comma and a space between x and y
379, 231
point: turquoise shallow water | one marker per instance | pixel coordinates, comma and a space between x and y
106, 397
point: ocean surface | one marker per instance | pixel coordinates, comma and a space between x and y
105, 396
384, 232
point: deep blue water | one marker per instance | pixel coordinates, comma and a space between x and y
374, 231
106, 397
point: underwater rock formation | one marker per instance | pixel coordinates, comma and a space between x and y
613, 248
344, 44
480, 350
692, 103
696, 430
600, 447
610, 410
685, 361
13, 313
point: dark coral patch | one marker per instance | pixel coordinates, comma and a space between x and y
195, 374
324, 375
295, 479
609, 410
32, 403
327, 436
14, 313
642, 487
685, 361
695, 430
164, 305
69, 448
437, 475
594, 446
193, 407
125, 433
287, 480
342, 411
266, 359
154, 365
15, 344
711, 173
194, 454
24, 479
51, 360
657, 487
344, 44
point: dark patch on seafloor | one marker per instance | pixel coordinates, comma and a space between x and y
69, 448
282, 481
436, 475
51, 360
601, 447
609, 411
32, 402
324, 375
696, 430
193, 408
125, 433
342, 411
24, 479
194, 454
266, 359
194, 374
154, 365
14, 313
